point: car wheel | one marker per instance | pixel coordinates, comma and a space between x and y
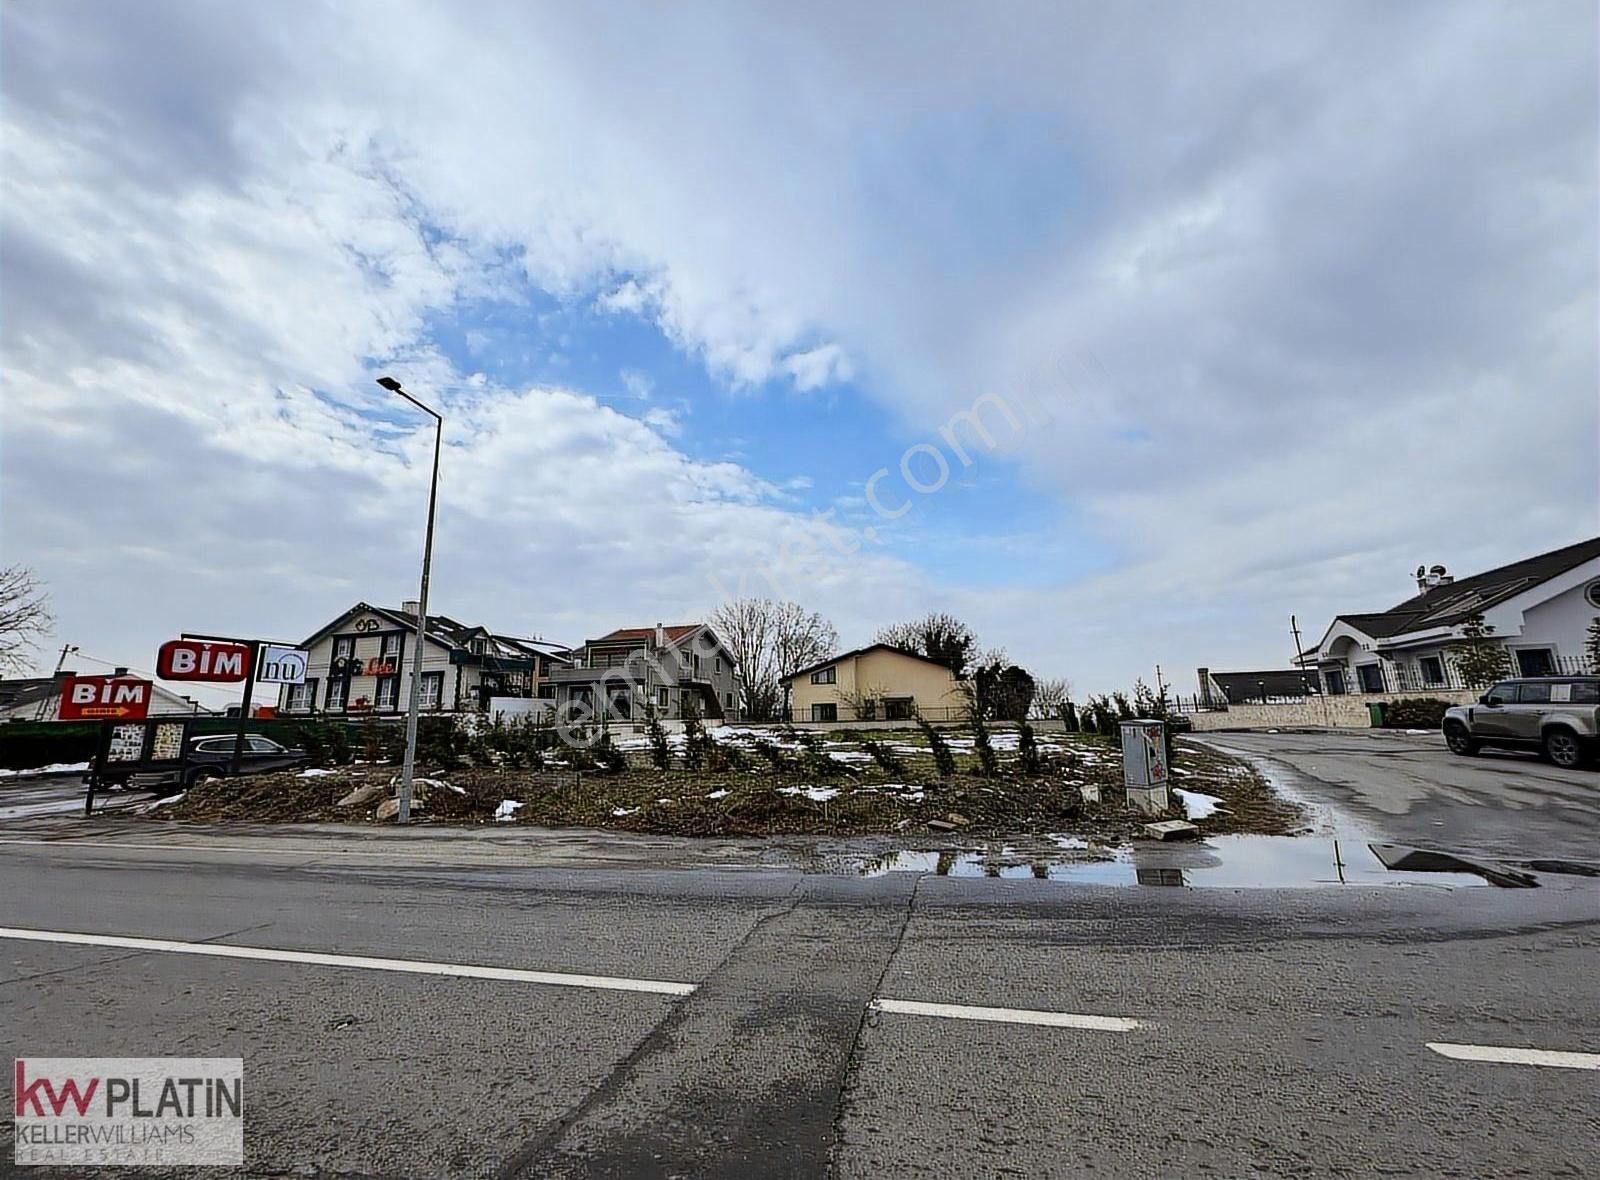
202, 775
1561, 747
1459, 740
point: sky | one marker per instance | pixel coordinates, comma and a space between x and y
1161, 321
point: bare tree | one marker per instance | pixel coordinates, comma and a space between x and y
768, 640
1049, 695
938, 636
24, 615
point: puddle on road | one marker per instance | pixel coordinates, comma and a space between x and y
1226, 862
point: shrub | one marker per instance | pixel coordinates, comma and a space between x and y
987, 761
694, 737
611, 759
886, 758
773, 753
1069, 717
440, 742
660, 748
1422, 713
1028, 749
943, 760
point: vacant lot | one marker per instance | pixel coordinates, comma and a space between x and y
775, 783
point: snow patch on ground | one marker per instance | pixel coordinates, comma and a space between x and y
619, 812
1196, 805
722, 794
314, 772
507, 811
53, 768
815, 794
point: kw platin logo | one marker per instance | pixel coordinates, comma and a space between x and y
128, 1110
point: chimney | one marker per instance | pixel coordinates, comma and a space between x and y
410, 608
1440, 576
119, 671
1422, 577
661, 635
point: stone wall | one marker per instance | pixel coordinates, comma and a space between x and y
1335, 712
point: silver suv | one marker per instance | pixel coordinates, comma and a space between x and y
1559, 715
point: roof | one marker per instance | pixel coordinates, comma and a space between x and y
1240, 687
675, 634
17, 693
447, 632
1456, 601
861, 651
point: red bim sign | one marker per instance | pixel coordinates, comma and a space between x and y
195, 659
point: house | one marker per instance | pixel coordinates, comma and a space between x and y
360, 663
660, 665
40, 699
879, 682
1540, 609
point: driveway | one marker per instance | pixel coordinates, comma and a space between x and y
1408, 788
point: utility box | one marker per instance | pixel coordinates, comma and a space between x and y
1144, 766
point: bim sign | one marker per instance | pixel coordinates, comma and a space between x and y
195, 659
108, 698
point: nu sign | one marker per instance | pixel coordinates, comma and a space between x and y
282, 665
195, 659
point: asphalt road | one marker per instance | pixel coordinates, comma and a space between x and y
1196, 1032
1410, 789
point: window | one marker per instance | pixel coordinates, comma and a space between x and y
1371, 677
1586, 692
899, 709
727, 700
1432, 668
1501, 694
1536, 661
344, 650
390, 651
825, 712
302, 697
388, 690
261, 745
664, 698
338, 686
716, 663
431, 691
825, 676
1534, 694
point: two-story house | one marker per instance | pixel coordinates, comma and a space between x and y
663, 666
361, 664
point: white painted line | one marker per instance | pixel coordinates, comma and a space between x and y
1008, 1015
316, 959
1505, 1056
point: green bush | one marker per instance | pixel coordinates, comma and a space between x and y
1422, 713
25, 745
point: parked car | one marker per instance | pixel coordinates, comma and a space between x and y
1559, 715
211, 756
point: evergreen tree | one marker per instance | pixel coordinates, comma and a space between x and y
660, 748
694, 736
943, 759
1479, 658
1028, 749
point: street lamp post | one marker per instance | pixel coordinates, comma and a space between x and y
410, 765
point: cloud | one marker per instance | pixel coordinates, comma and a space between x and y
1308, 293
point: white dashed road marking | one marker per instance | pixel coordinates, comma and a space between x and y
1008, 1015
1501, 1055
316, 959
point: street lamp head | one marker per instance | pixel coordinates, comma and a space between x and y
390, 384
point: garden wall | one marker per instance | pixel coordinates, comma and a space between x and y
1329, 712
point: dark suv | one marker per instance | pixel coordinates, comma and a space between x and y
212, 757
1559, 715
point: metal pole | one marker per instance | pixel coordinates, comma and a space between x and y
244, 709
408, 767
